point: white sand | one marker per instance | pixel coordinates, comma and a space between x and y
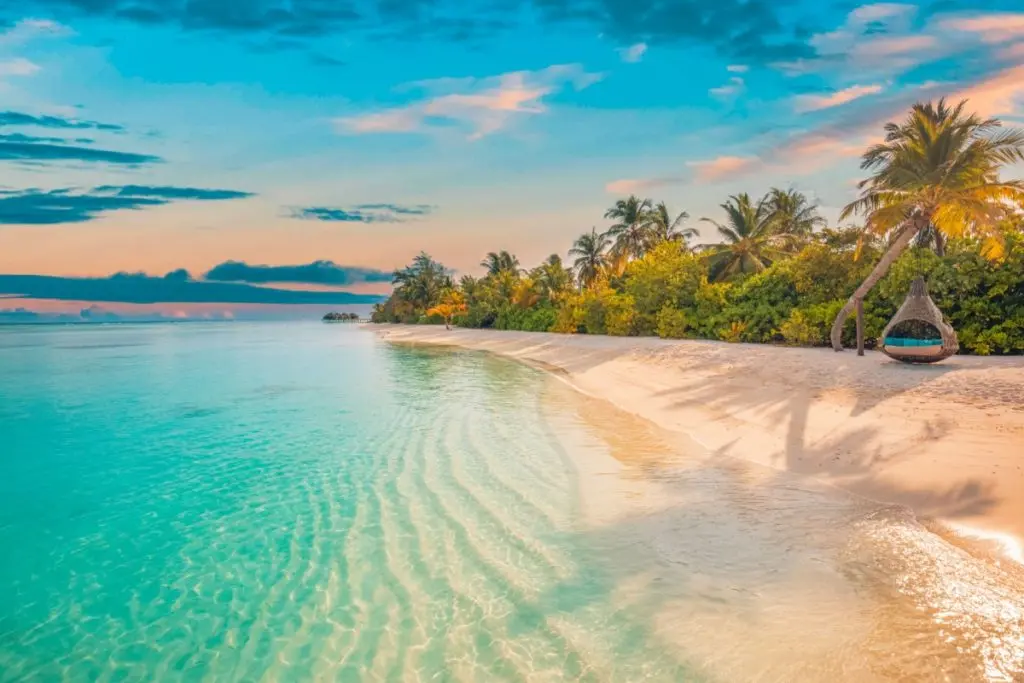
947, 440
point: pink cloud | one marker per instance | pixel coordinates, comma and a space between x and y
889, 47
1000, 95
991, 28
723, 167
484, 106
639, 185
816, 102
1013, 53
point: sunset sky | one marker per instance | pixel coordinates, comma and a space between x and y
158, 135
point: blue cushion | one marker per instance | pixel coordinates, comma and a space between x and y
902, 341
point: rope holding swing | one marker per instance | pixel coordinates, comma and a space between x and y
918, 306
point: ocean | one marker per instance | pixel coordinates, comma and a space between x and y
306, 502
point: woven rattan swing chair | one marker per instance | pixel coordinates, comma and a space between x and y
919, 307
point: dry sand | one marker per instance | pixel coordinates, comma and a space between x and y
946, 440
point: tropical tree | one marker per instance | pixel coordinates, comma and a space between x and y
591, 256
940, 168
551, 278
751, 238
665, 228
630, 234
793, 212
451, 304
500, 261
420, 284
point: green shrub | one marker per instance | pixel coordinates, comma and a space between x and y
672, 323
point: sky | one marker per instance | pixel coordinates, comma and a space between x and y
212, 158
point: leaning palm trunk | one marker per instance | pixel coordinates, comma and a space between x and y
895, 249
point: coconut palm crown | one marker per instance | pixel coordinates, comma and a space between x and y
751, 238
938, 169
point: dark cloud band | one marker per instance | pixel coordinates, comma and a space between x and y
362, 213
316, 273
137, 288
47, 151
54, 207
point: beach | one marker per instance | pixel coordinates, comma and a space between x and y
944, 440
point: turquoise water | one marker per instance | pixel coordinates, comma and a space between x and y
273, 502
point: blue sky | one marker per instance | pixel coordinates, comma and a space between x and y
155, 135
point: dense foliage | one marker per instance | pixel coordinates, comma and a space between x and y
778, 275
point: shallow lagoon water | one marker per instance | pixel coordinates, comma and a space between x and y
306, 502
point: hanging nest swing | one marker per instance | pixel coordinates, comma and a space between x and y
919, 313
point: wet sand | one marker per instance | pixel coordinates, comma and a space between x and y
946, 440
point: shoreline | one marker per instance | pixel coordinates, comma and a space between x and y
943, 440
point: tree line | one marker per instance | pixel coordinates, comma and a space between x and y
933, 205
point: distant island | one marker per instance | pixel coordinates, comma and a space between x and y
341, 318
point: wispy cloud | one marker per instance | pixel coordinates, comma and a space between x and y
879, 38
633, 53
994, 27
18, 67
723, 167
640, 185
1001, 94
45, 152
316, 273
17, 118
815, 102
734, 87
479, 106
66, 206
737, 68
27, 29
362, 213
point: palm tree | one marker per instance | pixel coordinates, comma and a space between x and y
590, 250
551, 277
939, 167
631, 231
752, 239
664, 228
793, 213
421, 283
497, 262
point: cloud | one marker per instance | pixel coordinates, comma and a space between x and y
879, 38
139, 288
316, 273
734, 87
172, 193
17, 118
723, 167
21, 137
480, 106
64, 206
634, 53
991, 28
27, 29
18, 67
744, 29
640, 185
815, 102
39, 151
1001, 94
737, 68
363, 213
